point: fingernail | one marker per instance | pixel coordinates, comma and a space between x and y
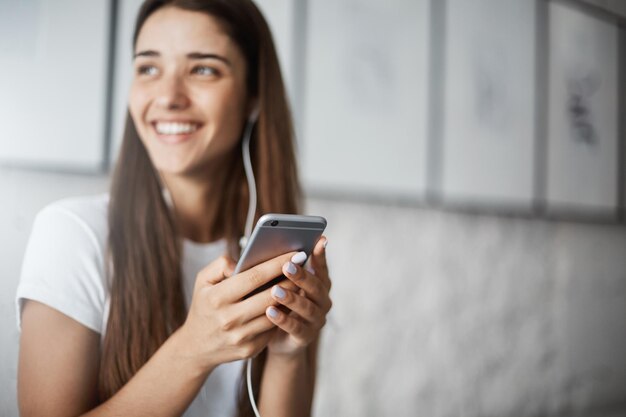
273, 312
325, 243
298, 258
278, 292
291, 268
310, 269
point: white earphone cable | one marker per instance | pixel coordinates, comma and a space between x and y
249, 223
249, 176
249, 381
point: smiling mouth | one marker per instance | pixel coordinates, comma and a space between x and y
175, 128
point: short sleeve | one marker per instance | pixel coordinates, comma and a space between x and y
63, 267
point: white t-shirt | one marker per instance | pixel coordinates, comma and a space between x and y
64, 269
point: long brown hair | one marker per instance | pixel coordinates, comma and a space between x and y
147, 303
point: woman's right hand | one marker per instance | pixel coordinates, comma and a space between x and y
223, 327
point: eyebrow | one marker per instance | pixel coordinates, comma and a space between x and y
191, 55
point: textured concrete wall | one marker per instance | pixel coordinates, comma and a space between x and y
436, 313
446, 314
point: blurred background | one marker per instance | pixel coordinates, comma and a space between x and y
469, 156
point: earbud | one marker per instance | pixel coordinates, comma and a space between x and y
254, 114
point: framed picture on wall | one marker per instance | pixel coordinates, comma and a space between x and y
53, 84
583, 119
366, 98
281, 16
123, 72
488, 133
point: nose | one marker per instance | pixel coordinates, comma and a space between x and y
171, 94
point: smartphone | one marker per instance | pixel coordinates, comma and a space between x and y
277, 234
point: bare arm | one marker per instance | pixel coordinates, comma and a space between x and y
58, 363
59, 357
288, 382
58, 372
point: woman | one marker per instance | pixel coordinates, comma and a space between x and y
120, 313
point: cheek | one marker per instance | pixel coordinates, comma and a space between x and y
137, 103
226, 111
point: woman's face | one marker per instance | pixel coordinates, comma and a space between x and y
188, 97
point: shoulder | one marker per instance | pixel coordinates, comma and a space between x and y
64, 262
84, 214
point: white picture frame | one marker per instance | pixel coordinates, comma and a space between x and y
488, 130
366, 98
583, 119
281, 17
123, 72
53, 81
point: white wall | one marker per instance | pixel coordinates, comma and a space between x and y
436, 313
65, 41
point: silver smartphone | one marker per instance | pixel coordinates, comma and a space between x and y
277, 234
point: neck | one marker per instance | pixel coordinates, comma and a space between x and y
197, 201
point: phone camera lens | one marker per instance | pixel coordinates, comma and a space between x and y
274, 223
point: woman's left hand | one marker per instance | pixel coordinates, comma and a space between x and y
308, 305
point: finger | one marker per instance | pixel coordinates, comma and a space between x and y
243, 283
311, 284
317, 261
298, 329
251, 329
287, 284
215, 272
254, 306
255, 345
231, 264
319, 252
300, 305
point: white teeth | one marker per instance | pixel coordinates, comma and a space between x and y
164, 128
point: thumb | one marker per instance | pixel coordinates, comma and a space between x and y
216, 271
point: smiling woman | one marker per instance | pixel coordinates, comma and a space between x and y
190, 83
123, 301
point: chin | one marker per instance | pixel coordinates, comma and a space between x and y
191, 169
194, 164
173, 166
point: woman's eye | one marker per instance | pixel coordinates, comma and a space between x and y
204, 70
147, 70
